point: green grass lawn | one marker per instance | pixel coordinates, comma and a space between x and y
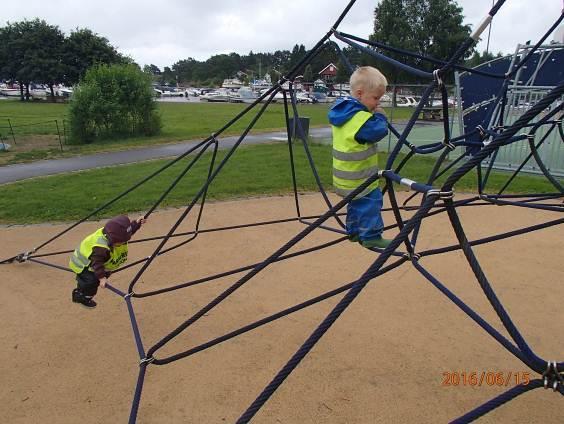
251, 171
37, 126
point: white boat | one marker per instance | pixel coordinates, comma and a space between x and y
221, 95
232, 83
61, 91
38, 93
261, 84
10, 92
278, 97
191, 92
303, 97
172, 93
406, 101
247, 95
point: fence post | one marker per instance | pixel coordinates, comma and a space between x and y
12, 131
59, 134
64, 132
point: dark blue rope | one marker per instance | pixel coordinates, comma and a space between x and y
470, 312
334, 314
137, 395
497, 402
135, 328
534, 361
393, 62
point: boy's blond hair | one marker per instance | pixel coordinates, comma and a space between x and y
367, 78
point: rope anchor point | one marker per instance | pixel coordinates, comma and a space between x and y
551, 377
146, 361
23, 257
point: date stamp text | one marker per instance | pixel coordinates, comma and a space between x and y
485, 378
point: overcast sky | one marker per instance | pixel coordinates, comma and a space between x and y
166, 31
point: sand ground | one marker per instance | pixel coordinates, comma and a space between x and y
382, 362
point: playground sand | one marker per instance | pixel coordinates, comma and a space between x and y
384, 360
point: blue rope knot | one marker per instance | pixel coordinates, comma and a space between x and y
551, 377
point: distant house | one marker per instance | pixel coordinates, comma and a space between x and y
328, 73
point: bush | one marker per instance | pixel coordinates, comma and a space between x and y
113, 101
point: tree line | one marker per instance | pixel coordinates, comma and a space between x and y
428, 28
34, 51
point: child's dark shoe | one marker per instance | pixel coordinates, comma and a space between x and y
353, 238
88, 303
379, 242
78, 297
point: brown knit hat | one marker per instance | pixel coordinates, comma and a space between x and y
118, 229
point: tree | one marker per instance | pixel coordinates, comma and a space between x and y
83, 49
298, 53
152, 69
168, 77
32, 50
425, 27
477, 58
343, 74
8, 57
308, 74
113, 101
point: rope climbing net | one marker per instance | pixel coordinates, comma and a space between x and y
473, 148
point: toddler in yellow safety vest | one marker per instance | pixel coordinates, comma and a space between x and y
98, 255
358, 122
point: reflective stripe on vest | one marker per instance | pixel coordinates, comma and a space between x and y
80, 259
353, 162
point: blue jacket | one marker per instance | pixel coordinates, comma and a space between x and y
373, 130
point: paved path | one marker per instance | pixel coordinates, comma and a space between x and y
11, 173
17, 172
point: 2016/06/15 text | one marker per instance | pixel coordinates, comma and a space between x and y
485, 378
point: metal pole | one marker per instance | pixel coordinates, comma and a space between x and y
59, 134
12, 131
64, 131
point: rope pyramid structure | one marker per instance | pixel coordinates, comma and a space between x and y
478, 144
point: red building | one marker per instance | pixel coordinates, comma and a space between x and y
328, 73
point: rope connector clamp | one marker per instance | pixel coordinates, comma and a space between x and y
448, 145
551, 377
438, 78
441, 194
22, 257
412, 256
482, 131
147, 361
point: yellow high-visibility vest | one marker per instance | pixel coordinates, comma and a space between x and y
80, 259
353, 162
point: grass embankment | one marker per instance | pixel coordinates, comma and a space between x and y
37, 134
251, 171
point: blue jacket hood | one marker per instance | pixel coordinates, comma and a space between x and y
343, 110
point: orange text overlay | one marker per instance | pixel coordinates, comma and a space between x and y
485, 378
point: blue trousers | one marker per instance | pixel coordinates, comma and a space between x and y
364, 216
